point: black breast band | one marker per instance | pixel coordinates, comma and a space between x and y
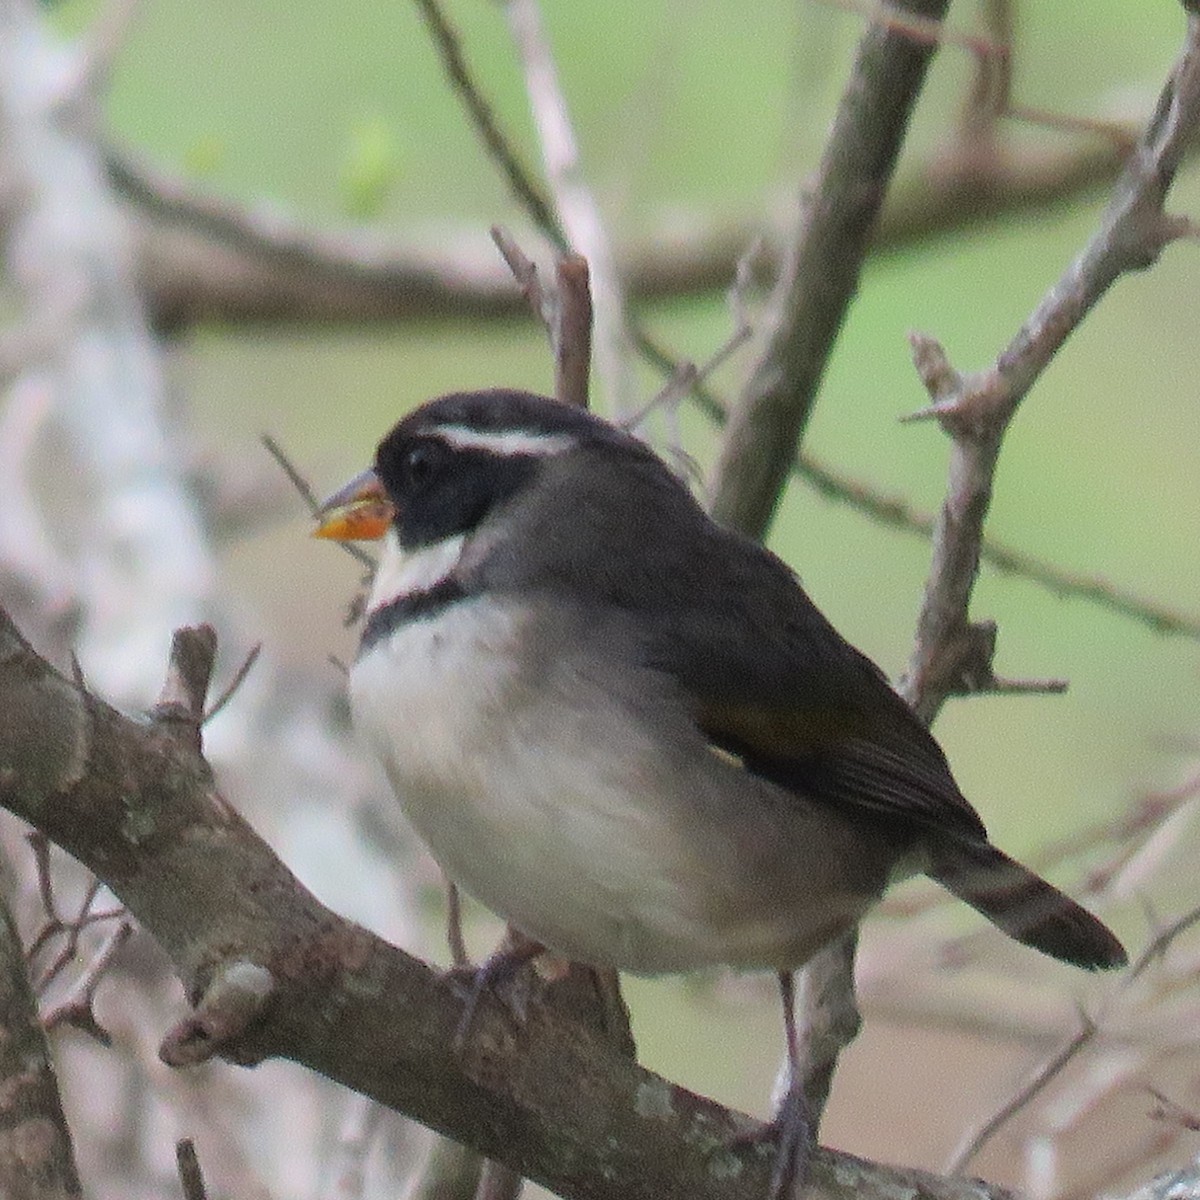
416, 606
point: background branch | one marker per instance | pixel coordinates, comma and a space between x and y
576, 205
950, 654
202, 256
836, 222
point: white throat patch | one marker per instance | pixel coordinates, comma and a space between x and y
404, 572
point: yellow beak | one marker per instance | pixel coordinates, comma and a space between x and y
359, 512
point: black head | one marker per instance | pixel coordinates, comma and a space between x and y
447, 465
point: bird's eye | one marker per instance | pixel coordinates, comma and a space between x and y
420, 462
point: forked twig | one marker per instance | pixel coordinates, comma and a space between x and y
309, 497
1088, 1031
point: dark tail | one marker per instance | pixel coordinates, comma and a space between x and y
1024, 905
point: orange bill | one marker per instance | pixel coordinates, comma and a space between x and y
359, 512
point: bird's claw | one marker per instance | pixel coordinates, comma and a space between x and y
791, 1132
469, 983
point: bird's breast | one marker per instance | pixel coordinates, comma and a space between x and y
571, 796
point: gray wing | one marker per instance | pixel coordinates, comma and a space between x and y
772, 681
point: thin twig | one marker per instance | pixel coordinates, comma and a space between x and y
1045, 1075
574, 202
687, 377
1167, 1110
239, 677
309, 497
73, 930
498, 144
1090, 1027
77, 1008
294, 477
975, 409
525, 272
55, 924
191, 1178
563, 309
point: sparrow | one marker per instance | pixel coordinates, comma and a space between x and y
629, 731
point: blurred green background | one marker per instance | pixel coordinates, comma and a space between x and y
717, 108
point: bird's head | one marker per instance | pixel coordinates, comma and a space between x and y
451, 466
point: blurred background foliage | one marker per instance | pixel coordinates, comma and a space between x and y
715, 110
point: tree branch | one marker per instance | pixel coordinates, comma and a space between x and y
553, 1101
576, 206
837, 221
202, 256
37, 1161
951, 654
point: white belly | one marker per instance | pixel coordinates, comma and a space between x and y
531, 789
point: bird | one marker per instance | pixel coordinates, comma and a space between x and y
628, 731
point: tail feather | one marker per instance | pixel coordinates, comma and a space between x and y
1025, 906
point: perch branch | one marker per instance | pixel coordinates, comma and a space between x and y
554, 1101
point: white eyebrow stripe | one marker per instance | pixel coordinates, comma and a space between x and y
505, 441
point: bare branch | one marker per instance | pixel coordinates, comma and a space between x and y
106, 37
189, 670
573, 340
134, 579
204, 256
497, 143
555, 1103
576, 206
563, 309
191, 1178
393, 279
829, 245
77, 1008
236, 998
36, 1157
976, 409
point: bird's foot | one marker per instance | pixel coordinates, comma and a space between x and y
790, 1130
470, 982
